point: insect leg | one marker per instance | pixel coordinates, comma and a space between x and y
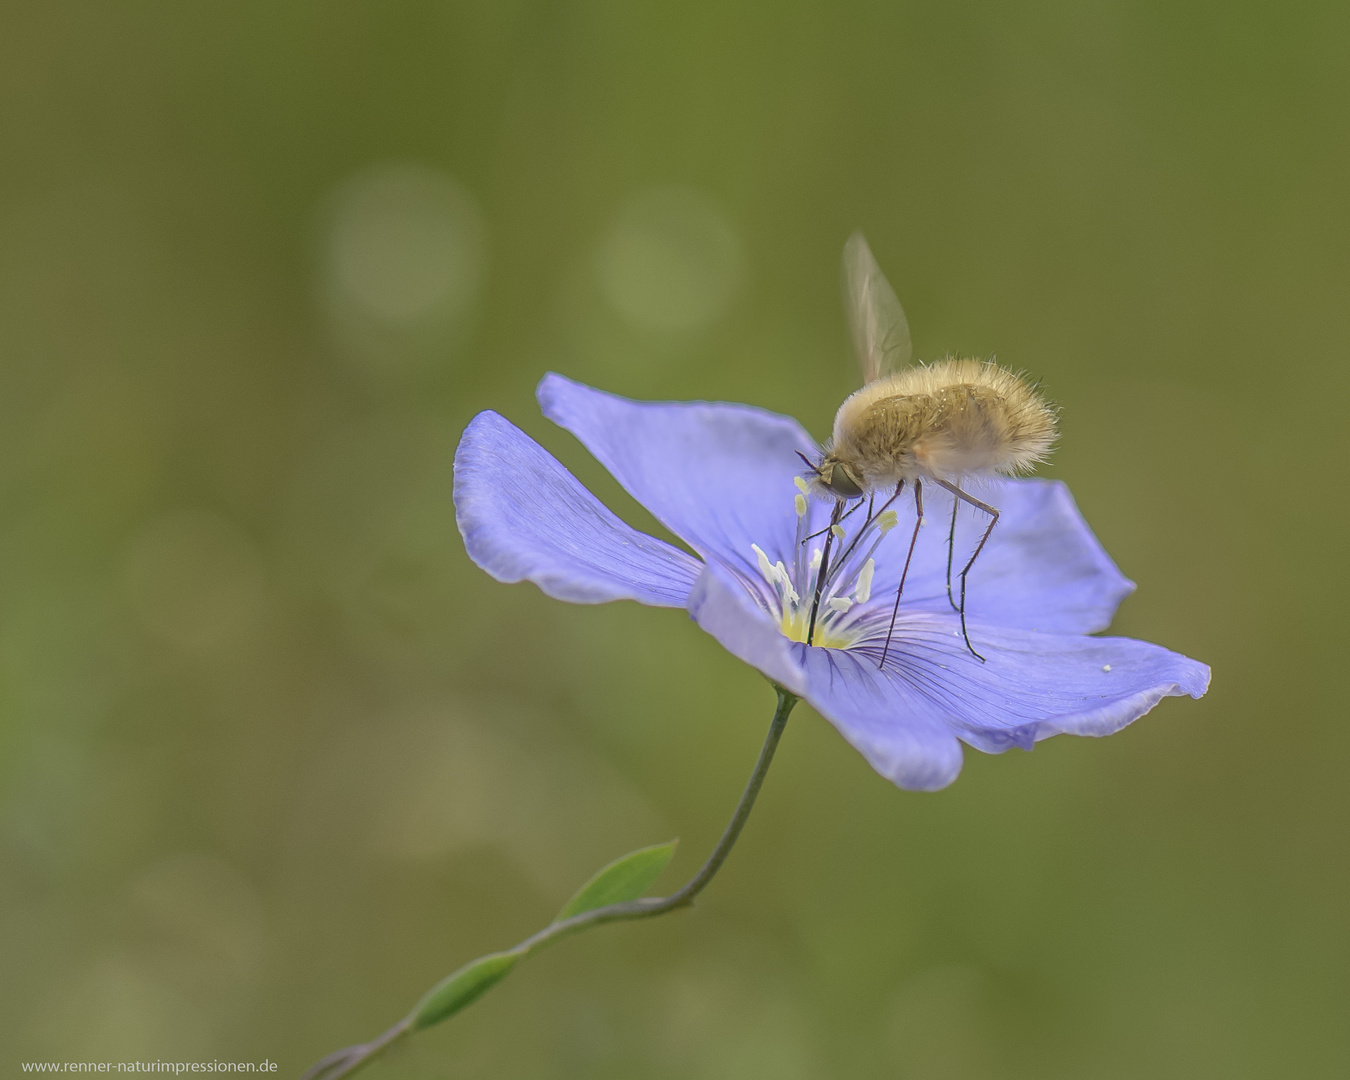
993, 520
824, 569
871, 517
951, 546
918, 520
832, 524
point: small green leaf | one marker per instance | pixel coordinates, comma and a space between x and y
626, 878
462, 988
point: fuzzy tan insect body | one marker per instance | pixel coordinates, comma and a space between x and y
939, 422
948, 420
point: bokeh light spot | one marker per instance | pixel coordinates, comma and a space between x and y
405, 244
670, 262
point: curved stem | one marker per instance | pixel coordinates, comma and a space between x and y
345, 1062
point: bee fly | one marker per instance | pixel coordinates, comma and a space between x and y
939, 422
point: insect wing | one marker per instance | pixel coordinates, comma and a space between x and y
876, 319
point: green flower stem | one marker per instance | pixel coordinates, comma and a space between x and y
496, 965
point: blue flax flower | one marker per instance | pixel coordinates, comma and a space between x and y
726, 480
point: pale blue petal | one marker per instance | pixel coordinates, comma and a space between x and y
718, 476
893, 727
906, 720
723, 606
526, 518
1031, 685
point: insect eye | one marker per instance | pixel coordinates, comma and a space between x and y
842, 484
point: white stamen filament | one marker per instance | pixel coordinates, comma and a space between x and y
864, 590
799, 545
848, 582
765, 567
776, 574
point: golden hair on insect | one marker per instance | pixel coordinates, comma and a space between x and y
942, 422
949, 420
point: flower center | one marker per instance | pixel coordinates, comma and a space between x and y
845, 585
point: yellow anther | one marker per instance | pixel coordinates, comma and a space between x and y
802, 485
799, 502
838, 531
886, 521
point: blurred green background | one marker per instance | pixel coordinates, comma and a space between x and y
274, 756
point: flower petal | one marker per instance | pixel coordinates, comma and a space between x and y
1042, 568
906, 719
722, 604
526, 518
1031, 685
1047, 571
718, 476
905, 741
